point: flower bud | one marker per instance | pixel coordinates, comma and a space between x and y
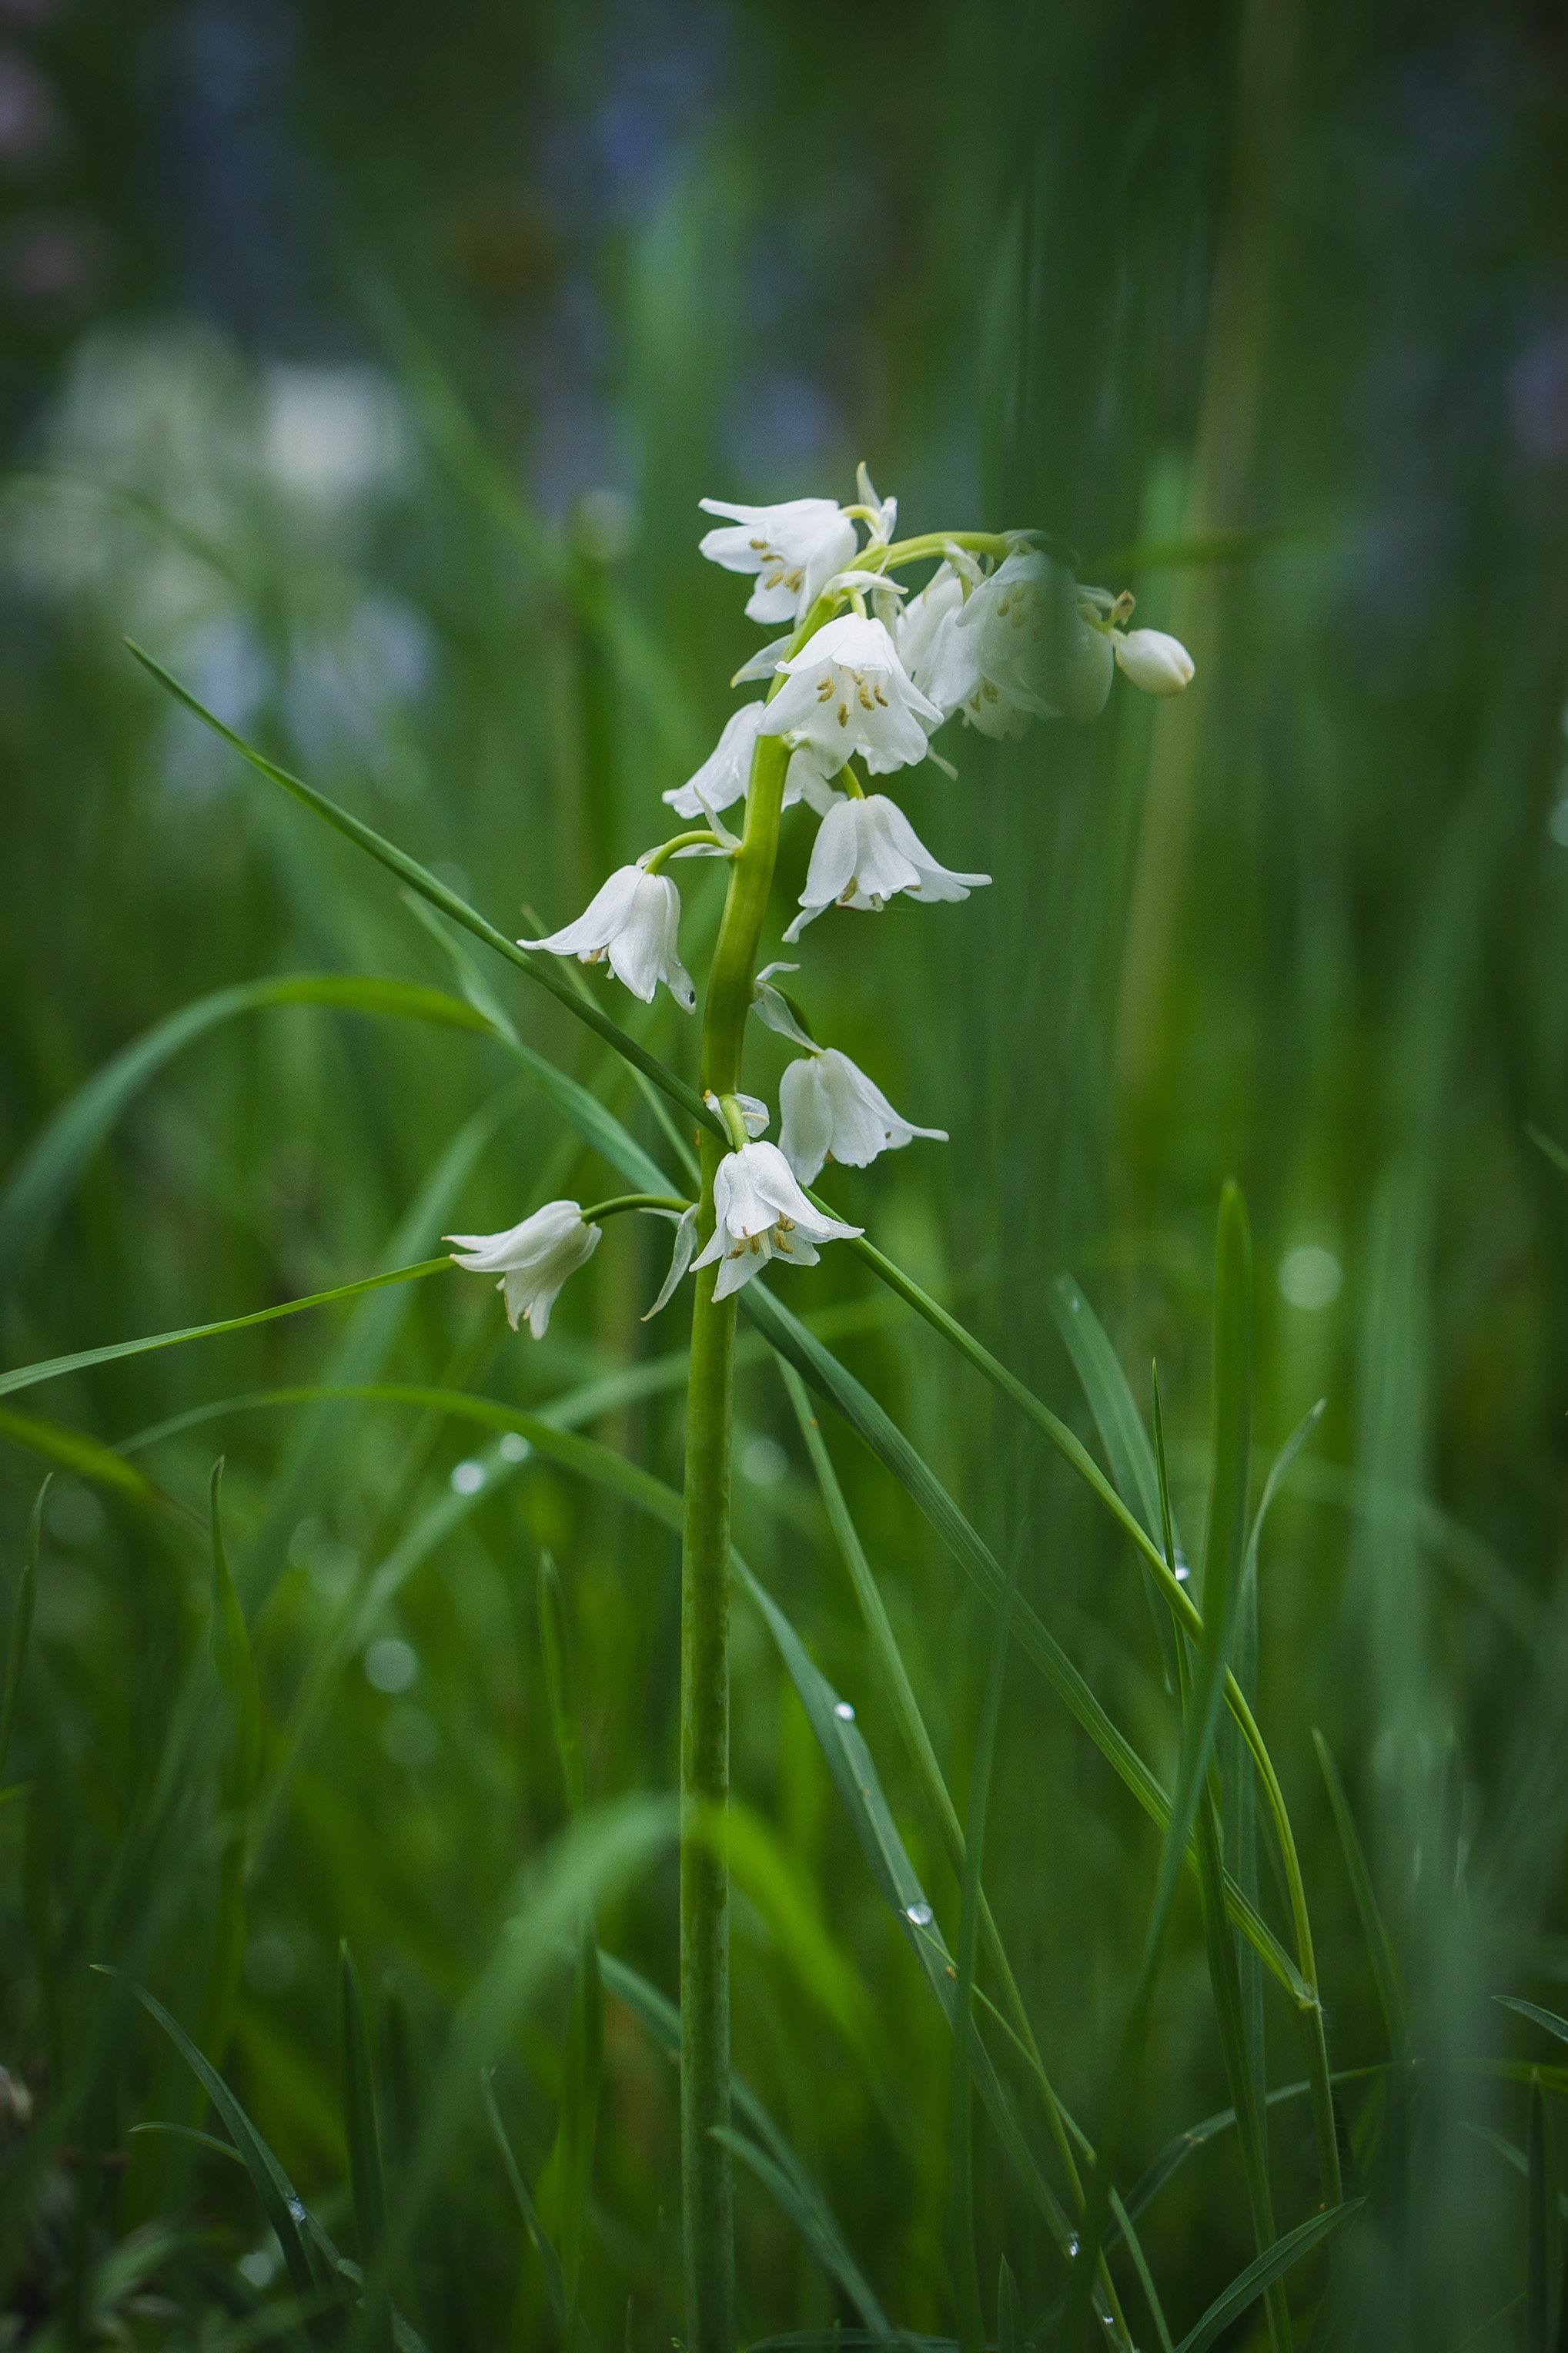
1155, 662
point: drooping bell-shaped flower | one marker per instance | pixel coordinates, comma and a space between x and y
792, 548
1034, 651
803, 781
866, 851
679, 1259
726, 772
634, 920
831, 1111
777, 1010
846, 691
1156, 664
532, 1260
941, 664
760, 1213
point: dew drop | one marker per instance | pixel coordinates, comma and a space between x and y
844, 1712
467, 1478
1072, 2242
919, 1915
296, 2208
1183, 1571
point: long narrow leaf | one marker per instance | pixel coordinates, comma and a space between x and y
53, 1368
363, 2136
1249, 2285
538, 967
1543, 2230
73, 1451
1379, 1945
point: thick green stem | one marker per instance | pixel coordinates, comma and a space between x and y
707, 2196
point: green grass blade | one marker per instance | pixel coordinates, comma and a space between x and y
234, 1671
560, 1679
280, 2201
47, 1171
965, 2261
1122, 1432
188, 2132
1224, 1545
827, 2247
578, 2125
20, 1635
1554, 1152
1543, 2230
539, 2238
661, 2019
819, 1367
1224, 1972
26, 1377
364, 2137
1009, 2312
1379, 1945
1249, 2285
409, 871
72, 1451
1546, 2018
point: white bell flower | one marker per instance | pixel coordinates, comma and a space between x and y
633, 921
1033, 653
1156, 664
882, 520
726, 772
846, 691
832, 1111
532, 1260
793, 549
754, 1111
866, 851
761, 1213
941, 663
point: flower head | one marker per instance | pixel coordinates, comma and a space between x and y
793, 549
1033, 652
866, 851
760, 1213
1158, 664
633, 921
726, 772
941, 663
532, 1260
847, 691
832, 1111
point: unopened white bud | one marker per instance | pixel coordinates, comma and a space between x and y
1155, 662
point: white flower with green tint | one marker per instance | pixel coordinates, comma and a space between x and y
532, 1260
793, 549
847, 691
1031, 647
633, 921
1153, 661
726, 772
831, 1111
761, 1213
864, 853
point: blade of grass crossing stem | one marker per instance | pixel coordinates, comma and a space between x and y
20, 1635
806, 2205
1249, 2285
1224, 1972
1379, 1944
1122, 1432
234, 1671
961, 2168
822, 1369
1225, 1539
917, 1742
1544, 2231
1546, 2018
315, 2287
53, 1368
362, 2133
572, 2161
70, 1450
409, 871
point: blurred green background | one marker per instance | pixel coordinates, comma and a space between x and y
366, 365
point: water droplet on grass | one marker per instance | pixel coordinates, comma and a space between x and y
919, 1915
844, 1712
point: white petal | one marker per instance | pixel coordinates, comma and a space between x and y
524, 1245
600, 921
806, 1134
1157, 663
726, 772
833, 855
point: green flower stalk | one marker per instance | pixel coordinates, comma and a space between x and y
857, 687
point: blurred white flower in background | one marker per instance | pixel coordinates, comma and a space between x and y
332, 435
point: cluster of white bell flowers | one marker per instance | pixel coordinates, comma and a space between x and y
999, 639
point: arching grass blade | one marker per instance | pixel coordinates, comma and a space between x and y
828, 2248
1249, 2285
1379, 1945
73, 1451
